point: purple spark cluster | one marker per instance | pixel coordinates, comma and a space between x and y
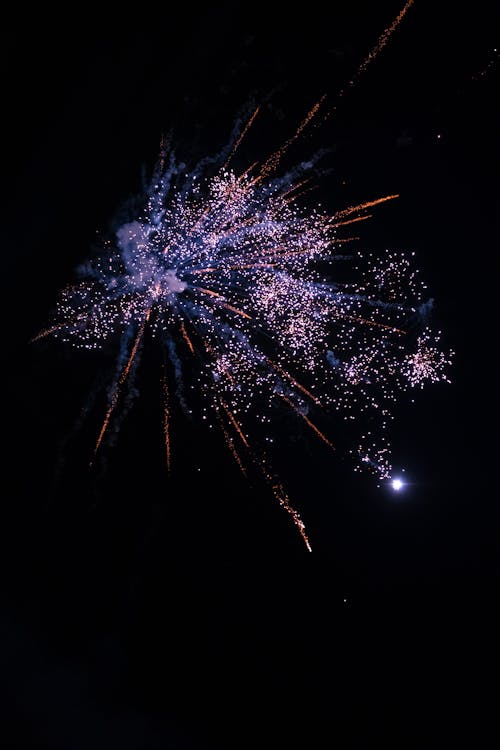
236, 274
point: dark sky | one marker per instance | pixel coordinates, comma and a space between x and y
136, 612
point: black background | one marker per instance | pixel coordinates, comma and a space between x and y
141, 611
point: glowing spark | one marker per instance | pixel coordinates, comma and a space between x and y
382, 40
166, 422
362, 206
231, 446
186, 337
282, 498
397, 484
375, 51
308, 422
211, 293
241, 136
120, 382
292, 380
272, 163
234, 422
352, 221
373, 323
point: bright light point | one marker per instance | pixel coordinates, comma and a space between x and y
397, 484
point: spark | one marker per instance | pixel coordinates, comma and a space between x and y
361, 207
166, 422
382, 41
121, 380
186, 337
235, 423
274, 160
374, 52
241, 136
307, 421
352, 221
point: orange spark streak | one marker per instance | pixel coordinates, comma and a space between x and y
300, 194
186, 337
121, 380
235, 310
241, 136
247, 171
223, 302
381, 42
361, 206
166, 422
209, 292
231, 446
272, 162
234, 422
47, 332
235, 268
352, 221
251, 265
296, 187
292, 380
373, 323
307, 119
137, 341
282, 498
379, 46
308, 421
343, 240
114, 399
60, 326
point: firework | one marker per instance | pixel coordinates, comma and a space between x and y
231, 272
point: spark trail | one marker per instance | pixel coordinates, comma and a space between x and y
374, 52
382, 41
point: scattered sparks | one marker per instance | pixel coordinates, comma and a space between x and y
427, 364
270, 325
232, 273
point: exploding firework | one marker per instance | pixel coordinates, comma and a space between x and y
231, 272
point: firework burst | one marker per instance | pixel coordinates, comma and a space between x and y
232, 272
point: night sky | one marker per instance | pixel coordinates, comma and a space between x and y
139, 611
